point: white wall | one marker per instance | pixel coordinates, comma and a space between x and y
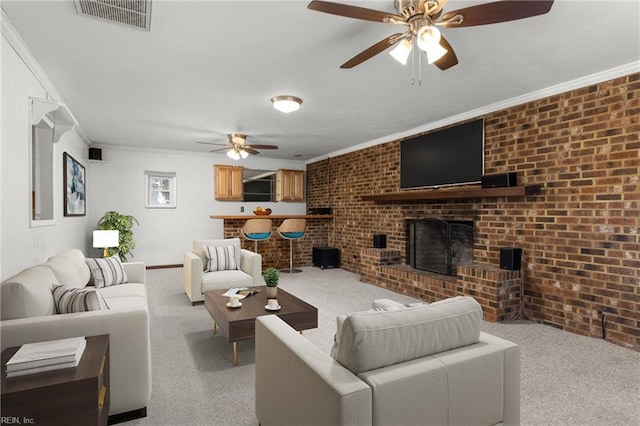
22, 246
117, 184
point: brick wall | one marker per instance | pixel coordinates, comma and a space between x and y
580, 236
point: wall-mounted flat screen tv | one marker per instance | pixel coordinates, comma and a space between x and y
451, 156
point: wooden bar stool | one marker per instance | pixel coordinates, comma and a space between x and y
292, 229
256, 230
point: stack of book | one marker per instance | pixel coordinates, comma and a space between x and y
241, 292
46, 356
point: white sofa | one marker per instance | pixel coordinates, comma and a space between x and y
197, 281
396, 365
29, 315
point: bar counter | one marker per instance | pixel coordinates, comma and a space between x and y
275, 250
273, 216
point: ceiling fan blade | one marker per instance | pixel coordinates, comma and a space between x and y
250, 150
449, 59
501, 11
212, 143
354, 12
262, 146
219, 149
372, 51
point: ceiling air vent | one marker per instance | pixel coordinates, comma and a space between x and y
135, 13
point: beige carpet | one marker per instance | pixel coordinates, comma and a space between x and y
566, 379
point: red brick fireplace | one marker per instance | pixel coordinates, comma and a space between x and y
580, 236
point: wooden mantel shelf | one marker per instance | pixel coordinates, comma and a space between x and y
436, 194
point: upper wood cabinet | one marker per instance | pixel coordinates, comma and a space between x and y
290, 185
227, 183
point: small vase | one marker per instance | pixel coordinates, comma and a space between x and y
272, 292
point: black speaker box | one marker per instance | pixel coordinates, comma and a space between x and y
326, 257
95, 154
510, 258
380, 241
499, 180
320, 210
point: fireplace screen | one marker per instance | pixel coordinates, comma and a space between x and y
439, 246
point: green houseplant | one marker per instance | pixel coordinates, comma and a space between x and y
271, 276
124, 225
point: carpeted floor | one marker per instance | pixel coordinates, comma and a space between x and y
566, 379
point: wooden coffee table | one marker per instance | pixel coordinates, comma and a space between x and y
240, 323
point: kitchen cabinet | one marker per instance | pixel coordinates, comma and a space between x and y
290, 185
227, 183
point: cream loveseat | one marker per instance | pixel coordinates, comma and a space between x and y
29, 315
197, 280
396, 365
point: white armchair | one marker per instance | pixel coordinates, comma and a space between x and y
403, 365
197, 281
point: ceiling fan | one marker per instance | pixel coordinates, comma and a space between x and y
422, 17
238, 147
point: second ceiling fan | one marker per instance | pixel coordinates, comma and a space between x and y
422, 17
238, 147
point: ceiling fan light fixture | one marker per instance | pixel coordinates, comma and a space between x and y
233, 154
427, 36
435, 52
428, 39
286, 103
401, 52
244, 154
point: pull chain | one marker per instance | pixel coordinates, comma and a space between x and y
413, 67
419, 67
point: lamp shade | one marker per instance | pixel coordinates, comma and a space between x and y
401, 52
104, 239
429, 41
427, 36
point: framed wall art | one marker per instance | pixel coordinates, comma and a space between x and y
75, 188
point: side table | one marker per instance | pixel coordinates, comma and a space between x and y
70, 396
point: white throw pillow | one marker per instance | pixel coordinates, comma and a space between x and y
70, 300
107, 272
220, 258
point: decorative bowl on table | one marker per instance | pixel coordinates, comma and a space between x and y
262, 212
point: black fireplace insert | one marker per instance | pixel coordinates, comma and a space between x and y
439, 246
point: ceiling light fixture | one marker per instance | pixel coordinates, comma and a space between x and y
402, 51
286, 103
428, 38
237, 153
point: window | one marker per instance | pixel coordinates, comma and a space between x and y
161, 190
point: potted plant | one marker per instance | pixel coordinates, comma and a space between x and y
271, 276
124, 225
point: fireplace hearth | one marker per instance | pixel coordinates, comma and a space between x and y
439, 246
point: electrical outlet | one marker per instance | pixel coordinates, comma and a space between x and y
241, 209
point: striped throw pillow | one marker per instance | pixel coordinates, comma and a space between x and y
69, 300
107, 272
221, 258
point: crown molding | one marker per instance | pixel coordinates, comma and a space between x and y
578, 83
14, 39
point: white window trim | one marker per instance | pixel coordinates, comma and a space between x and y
173, 189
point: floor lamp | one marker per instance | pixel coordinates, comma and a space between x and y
106, 239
